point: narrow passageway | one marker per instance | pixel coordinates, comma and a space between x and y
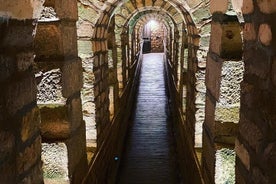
149, 156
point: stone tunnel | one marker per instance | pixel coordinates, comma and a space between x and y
74, 71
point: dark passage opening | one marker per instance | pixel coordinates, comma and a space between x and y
146, 45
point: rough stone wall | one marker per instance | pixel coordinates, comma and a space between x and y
198, 35
87, 17
255, 144
157, 37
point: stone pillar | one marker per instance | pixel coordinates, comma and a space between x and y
190, 84
124, 42
119, 46
112, 68
101, 86
59, 72
85, 30
72, 80
219, 129
255, 144
20, 139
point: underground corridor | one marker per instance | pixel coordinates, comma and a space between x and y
149, 152
138, 91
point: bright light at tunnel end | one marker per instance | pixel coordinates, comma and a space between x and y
153, 23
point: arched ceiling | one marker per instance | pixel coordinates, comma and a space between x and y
129, 8
139, 25
143, 16
188, 15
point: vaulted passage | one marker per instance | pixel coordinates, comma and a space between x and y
70, 73
149, 152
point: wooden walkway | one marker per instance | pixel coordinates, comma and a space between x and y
149, 156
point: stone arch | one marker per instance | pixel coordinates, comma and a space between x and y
99, 45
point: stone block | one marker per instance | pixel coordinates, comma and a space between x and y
225, 132
251, 133
29, 124
75, 113
7, 67
256, 63
267, 6
69, 39
19, 93
84, 48
270, 158
213, 77
7, 140
87, 13
258, 176
249, 32
265, 34
22, 9
76, 147
15, 62
55, 123
72, 79
24, 60
29, 156
254, 98
84, 29
243, 154
8, 167
240, 172
247, 7
34, 175
208, 158
55, 131
55, 39
67, 9
81, 172
88, 63
48, 40
18, 35
218, 6
216, 37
